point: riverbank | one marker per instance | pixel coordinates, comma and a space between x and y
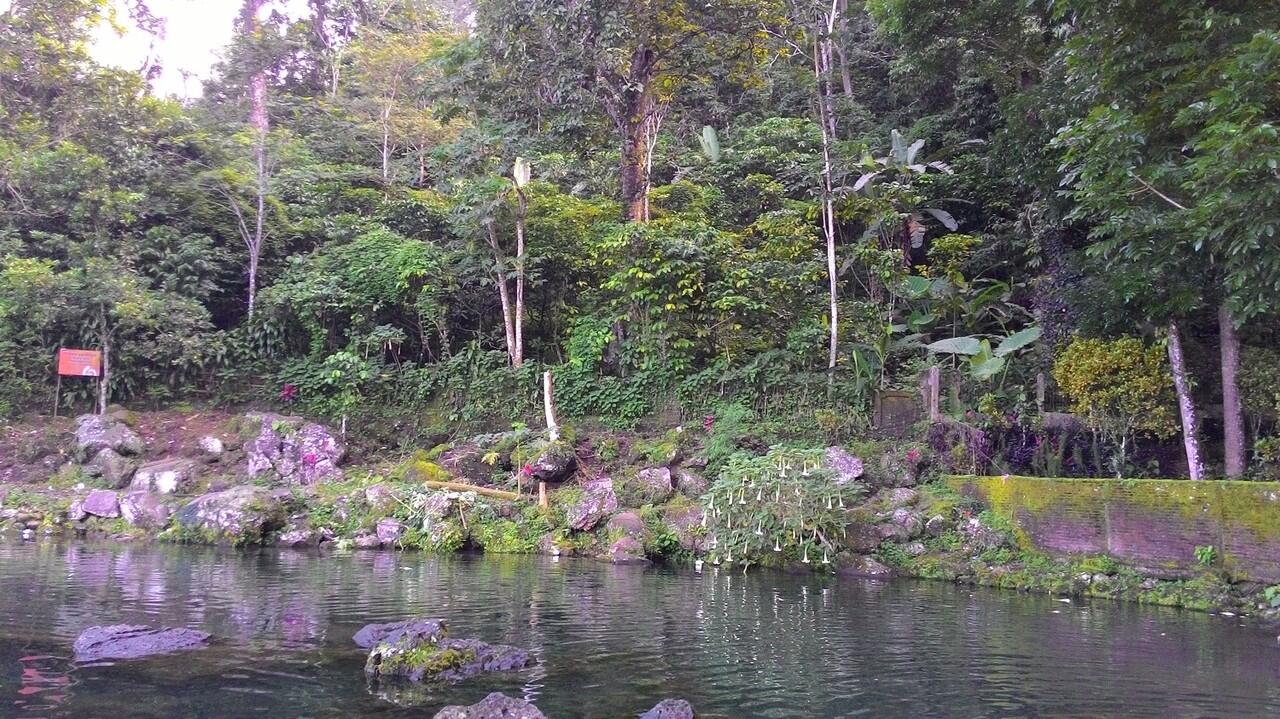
870, 511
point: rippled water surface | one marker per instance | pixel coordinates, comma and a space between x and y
610, 641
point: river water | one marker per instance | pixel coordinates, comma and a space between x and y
611, 641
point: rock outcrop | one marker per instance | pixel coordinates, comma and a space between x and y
598, 501
167, 476
127, 641
240, 515
144, 510
294, 450
96, 432
114, 469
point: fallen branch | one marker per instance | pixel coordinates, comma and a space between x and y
483, 491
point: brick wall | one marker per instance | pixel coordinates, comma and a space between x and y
1153, 524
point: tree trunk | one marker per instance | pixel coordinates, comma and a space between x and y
1186, 404
632, 170
504, 295
104, 379
517, 356
826, 120
1233, 437
258, 120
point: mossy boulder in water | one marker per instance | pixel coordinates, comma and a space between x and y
420, 651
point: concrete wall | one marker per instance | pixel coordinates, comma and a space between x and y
1154, 524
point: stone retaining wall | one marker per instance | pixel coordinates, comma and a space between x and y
1154, 524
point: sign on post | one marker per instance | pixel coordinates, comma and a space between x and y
79, 363
76, 363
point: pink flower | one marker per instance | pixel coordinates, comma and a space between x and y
708, 422
310, 459
526, 470
913, 455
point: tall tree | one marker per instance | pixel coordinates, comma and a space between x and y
626, 59
252, 231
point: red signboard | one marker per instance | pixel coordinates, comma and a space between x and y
79, 363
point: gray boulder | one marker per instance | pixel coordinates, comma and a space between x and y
900, 497
494, 706
114, 469
240, 515
555, 461
628, 523
424, 652
389, 531
847, 468
168, 476
296, 451
597, 502
936, 526
379, 497
861, 537
102, 503
125, 641
95, 432
299, 533
857, 565
686, 524
626, 550
690, 483
670, 709
144, 510
420, 629
652, 485
366, 540
211, 448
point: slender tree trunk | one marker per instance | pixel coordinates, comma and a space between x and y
826, 119
1233, 437
504, 295
104, 380
517, 356
632, 171
1186, 404
257, 119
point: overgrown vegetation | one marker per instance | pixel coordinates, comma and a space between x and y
768, 209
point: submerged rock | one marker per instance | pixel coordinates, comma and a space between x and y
670, 709
494, 706
128, 641
297, 451
856, 565
242, 515
422, 652
95, 432
423, 629
168, 476
597, 502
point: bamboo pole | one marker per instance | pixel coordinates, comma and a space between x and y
460, 487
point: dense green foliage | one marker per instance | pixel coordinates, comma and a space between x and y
1004, 176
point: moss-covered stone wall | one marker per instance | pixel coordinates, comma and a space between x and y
1153, 524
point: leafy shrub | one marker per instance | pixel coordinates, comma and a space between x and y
1121, 387
776, 508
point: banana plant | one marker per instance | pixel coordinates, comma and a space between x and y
984, 361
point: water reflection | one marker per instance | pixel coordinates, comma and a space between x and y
610, 641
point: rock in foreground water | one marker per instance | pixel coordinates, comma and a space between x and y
130, 641
494, 706
420, 651
422, 629
670, 709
